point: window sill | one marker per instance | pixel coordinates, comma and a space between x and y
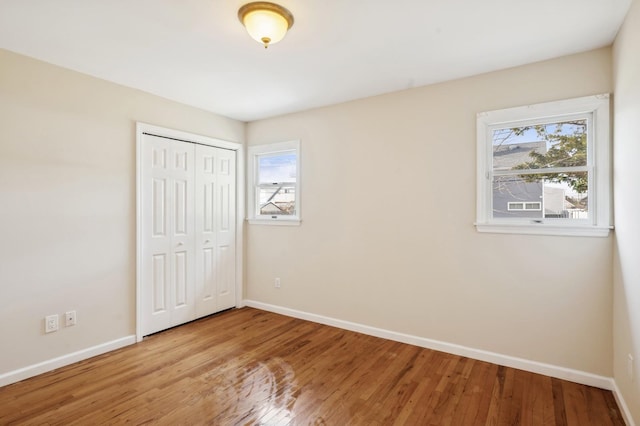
567, 231
276, 222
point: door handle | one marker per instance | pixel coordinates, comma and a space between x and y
207, 241
180, 244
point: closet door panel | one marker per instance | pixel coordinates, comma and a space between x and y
226, 230
206, 261
183, 232
156, 249
167, 233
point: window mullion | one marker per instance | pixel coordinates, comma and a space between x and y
276, 184
547, 170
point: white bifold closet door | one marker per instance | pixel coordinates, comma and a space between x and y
188, 231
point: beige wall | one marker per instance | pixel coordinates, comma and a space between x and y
626, 319
387, 238
67, 203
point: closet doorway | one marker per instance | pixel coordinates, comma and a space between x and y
188, 229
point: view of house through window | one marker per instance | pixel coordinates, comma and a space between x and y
540, 171
273, 179
276, 185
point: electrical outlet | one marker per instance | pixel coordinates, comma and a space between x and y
277, 283
51, 323
70, 318
630, 366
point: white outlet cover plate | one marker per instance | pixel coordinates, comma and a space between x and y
51, 323
70, 318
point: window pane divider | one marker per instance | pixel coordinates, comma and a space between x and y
271, 185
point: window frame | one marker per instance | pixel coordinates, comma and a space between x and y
596, 109
253, 186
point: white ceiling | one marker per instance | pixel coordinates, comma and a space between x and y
197, 52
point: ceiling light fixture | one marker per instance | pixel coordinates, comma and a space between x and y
266, 23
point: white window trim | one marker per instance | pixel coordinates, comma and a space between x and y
252, 154
599, 167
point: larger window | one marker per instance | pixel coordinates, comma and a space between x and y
544, 169
274, 183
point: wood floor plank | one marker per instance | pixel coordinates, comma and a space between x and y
416, 405
452, 392
476, 397
249, 367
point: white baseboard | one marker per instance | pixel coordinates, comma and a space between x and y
571, 375
61, 361
624, 408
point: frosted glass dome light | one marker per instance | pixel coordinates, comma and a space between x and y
267, 23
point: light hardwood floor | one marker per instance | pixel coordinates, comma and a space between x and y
249, 367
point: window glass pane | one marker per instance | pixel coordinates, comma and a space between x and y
533, 206
277, 168
558, 144
277, 200
540, 196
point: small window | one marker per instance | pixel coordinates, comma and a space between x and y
518, 206
274, 192
544, 169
